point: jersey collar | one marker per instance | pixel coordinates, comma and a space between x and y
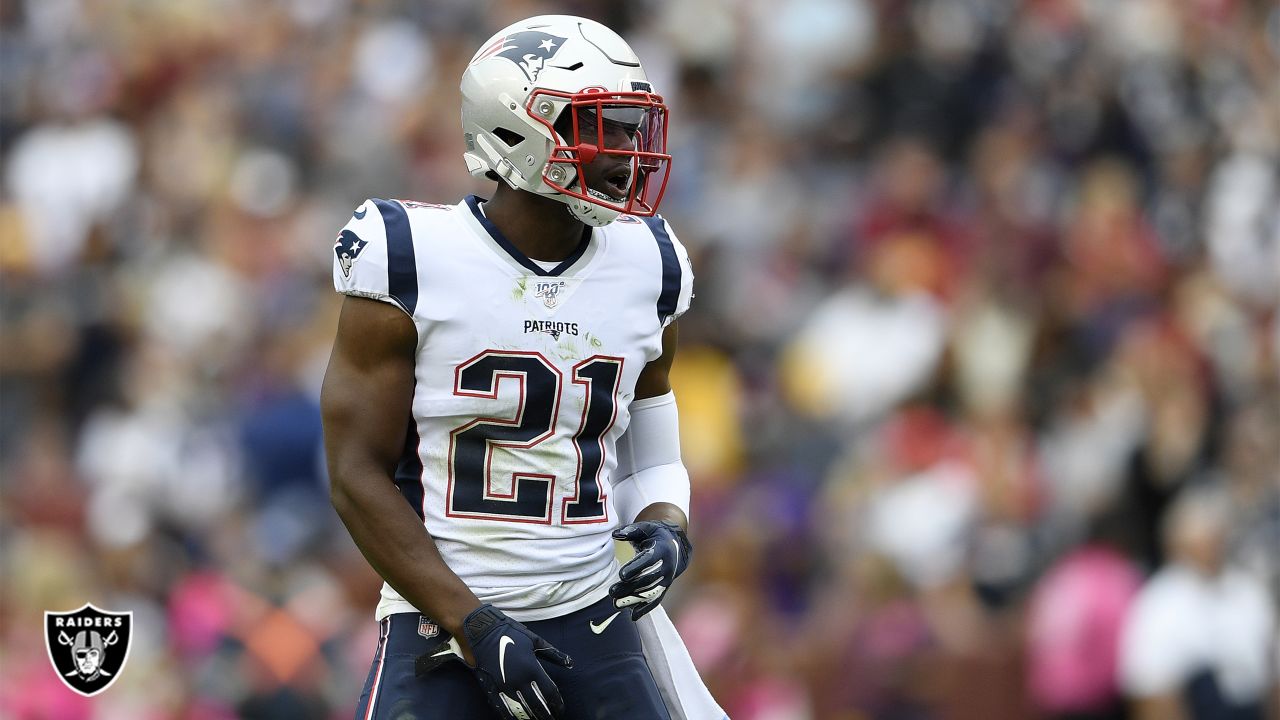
473, 202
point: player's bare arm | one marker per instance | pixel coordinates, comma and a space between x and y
365, 402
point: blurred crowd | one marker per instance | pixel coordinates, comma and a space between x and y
979, 391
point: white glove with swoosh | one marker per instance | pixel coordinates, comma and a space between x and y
509, 667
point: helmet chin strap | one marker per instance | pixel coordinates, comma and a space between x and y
583, 211
590, 213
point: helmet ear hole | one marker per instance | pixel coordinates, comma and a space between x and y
510, 137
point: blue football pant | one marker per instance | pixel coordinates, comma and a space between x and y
609, 678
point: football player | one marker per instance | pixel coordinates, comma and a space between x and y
497, 402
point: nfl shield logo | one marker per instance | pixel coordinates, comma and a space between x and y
426, 628
88, 647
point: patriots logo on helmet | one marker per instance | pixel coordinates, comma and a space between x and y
528, 49
347, 248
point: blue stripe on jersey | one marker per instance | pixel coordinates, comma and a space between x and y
670, 294
402, 270
408, 476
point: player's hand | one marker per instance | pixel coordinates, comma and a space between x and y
662, 553
509, 666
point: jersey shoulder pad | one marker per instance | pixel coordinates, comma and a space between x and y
373, 255
676, 293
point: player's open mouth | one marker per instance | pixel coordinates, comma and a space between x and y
617, 183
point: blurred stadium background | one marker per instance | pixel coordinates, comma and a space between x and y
985, 288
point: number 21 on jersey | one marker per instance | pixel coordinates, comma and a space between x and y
541, 384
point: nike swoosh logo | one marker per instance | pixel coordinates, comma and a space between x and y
503, 644
450, 648
597, 629
359, 214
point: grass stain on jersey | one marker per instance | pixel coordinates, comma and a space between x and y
522, 287
594, 341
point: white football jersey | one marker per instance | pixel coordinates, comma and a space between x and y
523, 381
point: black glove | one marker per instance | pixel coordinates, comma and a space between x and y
662, 553
509, 666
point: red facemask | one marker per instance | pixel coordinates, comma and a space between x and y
628, 126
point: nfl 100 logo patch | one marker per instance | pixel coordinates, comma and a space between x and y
549, 291
88, 647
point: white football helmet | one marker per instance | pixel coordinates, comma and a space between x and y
546, 96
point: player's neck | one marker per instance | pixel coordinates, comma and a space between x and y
539, 227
